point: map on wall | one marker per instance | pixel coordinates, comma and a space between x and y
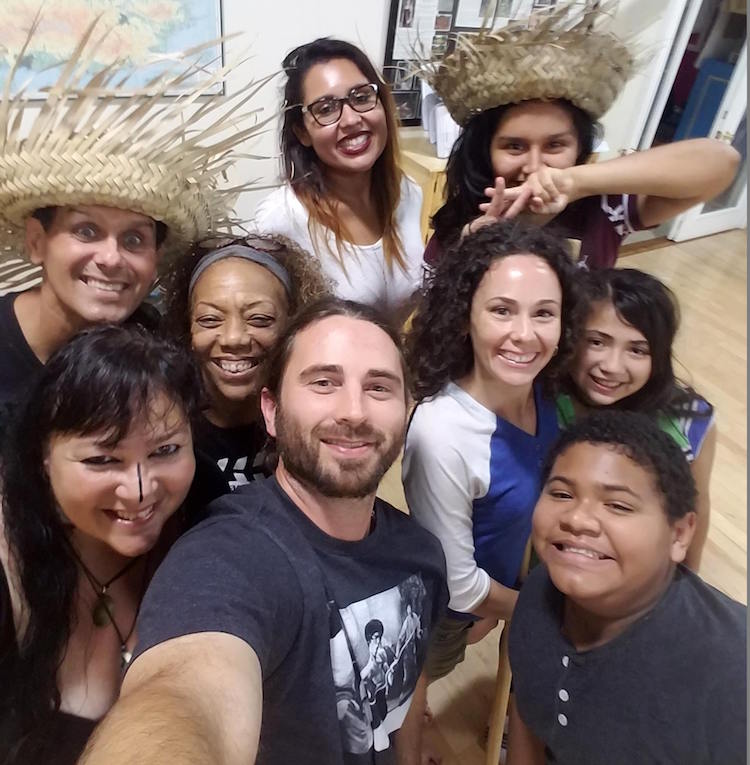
134, 32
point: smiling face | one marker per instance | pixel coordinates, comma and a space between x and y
613, 360
237, 310
122, 495
515, 320
340, 418
99, 262
601, 528
356, 141
532, 134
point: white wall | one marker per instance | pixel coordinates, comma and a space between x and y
273, 28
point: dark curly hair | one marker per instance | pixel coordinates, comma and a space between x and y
469, 170
438, 348
102, 381
647, 304
308, 281
639, 438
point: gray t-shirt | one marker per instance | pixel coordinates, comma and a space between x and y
340, 628
670, 690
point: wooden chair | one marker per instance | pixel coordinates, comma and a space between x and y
502, 683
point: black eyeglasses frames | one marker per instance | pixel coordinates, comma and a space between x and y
328, 110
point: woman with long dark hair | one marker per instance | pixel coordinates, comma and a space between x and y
345, 198
493, 332
624, 361
229, 300
528, 98
94, 475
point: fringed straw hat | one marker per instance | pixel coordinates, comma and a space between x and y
159, 149
553, 54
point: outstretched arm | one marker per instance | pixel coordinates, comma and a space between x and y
193, 700
667, 179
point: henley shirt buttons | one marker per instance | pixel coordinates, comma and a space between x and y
563, 694
565, 661
562, 719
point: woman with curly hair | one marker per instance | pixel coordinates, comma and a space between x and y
492, 332
624, 361
95, 473
229, 301
345, 197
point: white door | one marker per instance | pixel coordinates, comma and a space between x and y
729, 209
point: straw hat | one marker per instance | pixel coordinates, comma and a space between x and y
97, 139
553, 54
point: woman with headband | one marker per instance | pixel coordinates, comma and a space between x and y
229, 301
345, 198
95, 473
528, 97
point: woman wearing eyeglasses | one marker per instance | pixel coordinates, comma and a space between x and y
345, 198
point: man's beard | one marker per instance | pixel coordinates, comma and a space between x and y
354, 478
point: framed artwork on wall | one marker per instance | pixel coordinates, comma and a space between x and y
137, 32
429, 27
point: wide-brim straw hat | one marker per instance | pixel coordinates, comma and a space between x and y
159, 149
555, 54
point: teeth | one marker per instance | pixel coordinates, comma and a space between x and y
102, 285
518, 358
583, 551
606, 383
236, 367
354, 143
142, 516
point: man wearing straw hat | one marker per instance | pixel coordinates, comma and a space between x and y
99, 191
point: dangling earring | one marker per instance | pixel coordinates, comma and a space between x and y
291, 176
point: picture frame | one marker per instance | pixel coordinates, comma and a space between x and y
136, 32
407, 105
419, 28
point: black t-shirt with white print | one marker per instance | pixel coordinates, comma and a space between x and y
237, 452
340, 628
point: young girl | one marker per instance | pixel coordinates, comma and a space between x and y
229, 302
345, 198
494, 327
94, 474
624, 360
528, 99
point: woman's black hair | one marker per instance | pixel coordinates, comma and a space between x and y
102, 381
438, 347
469, 170
639, 438
647, 304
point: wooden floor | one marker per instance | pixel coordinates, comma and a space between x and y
709, 276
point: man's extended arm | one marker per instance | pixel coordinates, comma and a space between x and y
193, 700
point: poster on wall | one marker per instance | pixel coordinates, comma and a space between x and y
135, 32
472, 14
